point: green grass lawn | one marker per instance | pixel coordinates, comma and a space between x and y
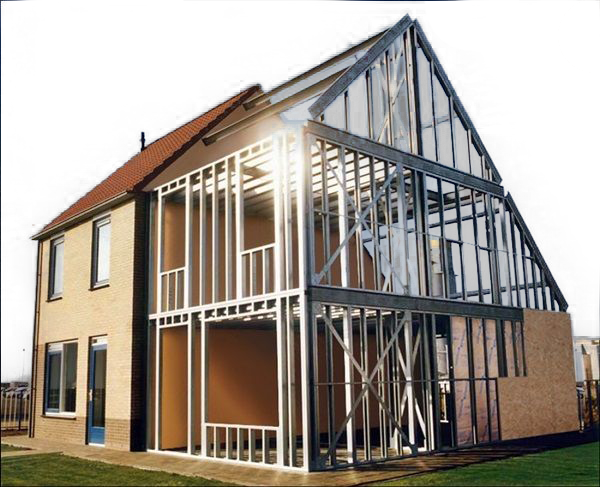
577, 465
11, 448
56, 469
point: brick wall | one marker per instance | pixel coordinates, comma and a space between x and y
115, 311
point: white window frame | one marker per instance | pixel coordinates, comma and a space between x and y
52, 294
58, 348
97, 224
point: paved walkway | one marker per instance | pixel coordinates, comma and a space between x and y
249, 475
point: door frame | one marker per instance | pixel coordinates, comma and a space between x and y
96, 344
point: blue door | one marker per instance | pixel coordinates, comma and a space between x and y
97, 394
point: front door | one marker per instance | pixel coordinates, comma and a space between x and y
97, 393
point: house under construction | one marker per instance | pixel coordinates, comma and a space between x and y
324, 275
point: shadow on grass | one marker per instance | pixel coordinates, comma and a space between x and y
577, 465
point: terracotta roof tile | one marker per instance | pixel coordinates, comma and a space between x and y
145, 165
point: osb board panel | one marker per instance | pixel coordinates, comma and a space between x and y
174, 387
545, 401
258, 231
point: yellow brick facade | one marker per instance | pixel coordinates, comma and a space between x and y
82, 314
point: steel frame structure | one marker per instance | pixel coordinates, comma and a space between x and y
295, 306
360, 274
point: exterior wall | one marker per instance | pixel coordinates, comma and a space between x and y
545, 401
82, 314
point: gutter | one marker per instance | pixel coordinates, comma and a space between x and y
83, 215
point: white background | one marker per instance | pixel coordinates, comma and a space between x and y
80, 81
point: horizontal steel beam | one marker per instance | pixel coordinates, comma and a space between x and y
408, 160
368, 299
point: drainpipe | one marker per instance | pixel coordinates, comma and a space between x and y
35, 337
143, 424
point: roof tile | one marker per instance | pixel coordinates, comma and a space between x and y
145, 165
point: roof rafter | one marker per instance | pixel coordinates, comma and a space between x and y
361, 65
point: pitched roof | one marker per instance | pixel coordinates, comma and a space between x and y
145, 165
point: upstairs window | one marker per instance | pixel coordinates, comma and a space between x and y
61, 377
57, 256
101, 252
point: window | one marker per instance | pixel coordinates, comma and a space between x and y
61, 377
101, 252
57, 256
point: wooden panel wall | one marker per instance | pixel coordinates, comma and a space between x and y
545, 401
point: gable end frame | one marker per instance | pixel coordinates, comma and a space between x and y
359, 67
463, 112
515, 211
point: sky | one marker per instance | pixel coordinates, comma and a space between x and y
80, 81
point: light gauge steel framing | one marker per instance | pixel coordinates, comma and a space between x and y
394, 283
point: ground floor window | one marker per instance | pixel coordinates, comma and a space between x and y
61, 377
